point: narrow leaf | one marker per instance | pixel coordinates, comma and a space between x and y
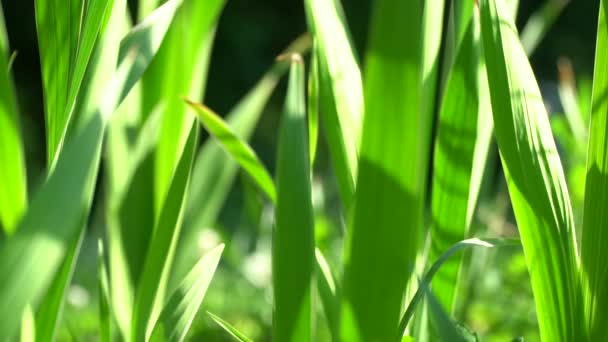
230, 329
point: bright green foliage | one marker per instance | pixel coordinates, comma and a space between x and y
13, 197
313, 105
175, 319
67, 32
293, 236
594, 268
535, 178
387, 218
461, 147
340, 89
230, 329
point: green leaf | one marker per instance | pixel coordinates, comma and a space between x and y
329, 292
105, 333
175, 319
393, 162
162, 246
58, 209
230, 329
340, 89
313, 105
436, 266
449, 330
539, 24
293, 236
461, 148
13, 197
67, 31
594, 269
239, 150
535, 178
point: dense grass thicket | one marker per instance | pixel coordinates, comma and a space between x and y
376, 218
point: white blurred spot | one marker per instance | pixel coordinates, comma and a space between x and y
78, 296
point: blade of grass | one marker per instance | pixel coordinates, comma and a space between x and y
105, 332
313, 105
293, 236
230, 329
329, 292
59, 207
175, 319
539, 24
240, 151
13, 197
446, 327
340, 87
535, 178
593, 245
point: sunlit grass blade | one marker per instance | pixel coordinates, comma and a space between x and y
293, 236
594, 269
105, 318
162, 246
436, 266
340, 90
329, 292
57, 211
461, 148
67, 32
175, 319
539, 24
387, 219
230, 329
535, 178
240, 151
13, 182
313, 105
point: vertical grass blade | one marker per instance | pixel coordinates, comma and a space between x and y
382, 241
594, 268
535, 178
293, 238
13, 197
329, 292
340, 87
179, 312
313, 105
463, 139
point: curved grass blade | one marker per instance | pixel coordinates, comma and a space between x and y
58, 209
436, 266
594, 269
230, 329
293, 236
340, 87
13, 182
175, 319
240, 151
535, 178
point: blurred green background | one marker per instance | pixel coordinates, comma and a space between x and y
495, 300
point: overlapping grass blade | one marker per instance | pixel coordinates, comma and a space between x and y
340, 90
329, 292
57, 211
387, 217
594, 269
535, 178
240, 151
105, 318
436, 266
461, 147
293, 236
230, 329
13, 182
160, 253
67, 31
175, 319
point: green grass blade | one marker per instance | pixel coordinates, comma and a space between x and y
105, 332
436, 266
238, 149
447, 329
539, 24
387, 217
293, 238
58, 209
329, 292
67, 32
461, 148
593, 245
340, 87
162, 246
535, 178
230, 329
175, 319
13, 197
313, 106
